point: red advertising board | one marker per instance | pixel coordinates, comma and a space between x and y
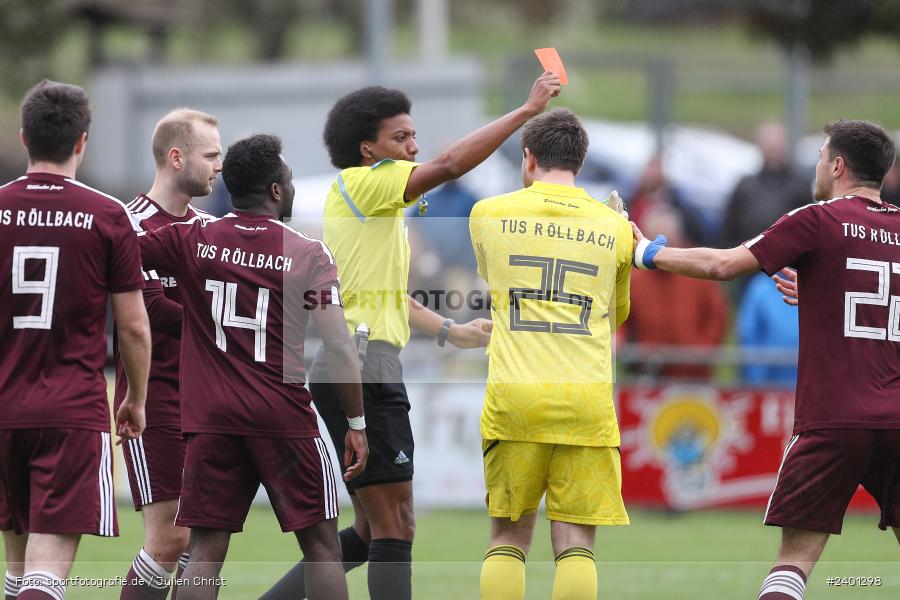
686, 447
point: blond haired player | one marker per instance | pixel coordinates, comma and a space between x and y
558, 264
188, 157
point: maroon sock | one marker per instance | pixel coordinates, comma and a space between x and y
146, 580
35, 594
41, 585
784, 582
179, 572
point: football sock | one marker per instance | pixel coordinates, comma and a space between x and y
11, 586
390, 569
146, 579
38, 594
576, 575
503, 574
179, 572
784, 582
41, 585
354, 552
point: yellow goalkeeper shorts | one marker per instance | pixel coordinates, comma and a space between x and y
583, 483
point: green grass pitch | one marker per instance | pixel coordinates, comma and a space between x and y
703, 555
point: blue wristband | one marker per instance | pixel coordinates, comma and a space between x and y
646, 250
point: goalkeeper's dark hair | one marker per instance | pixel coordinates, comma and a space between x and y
356, 118
866, 148
251, 166
557, 140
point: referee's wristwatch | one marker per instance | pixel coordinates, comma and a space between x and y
444, 331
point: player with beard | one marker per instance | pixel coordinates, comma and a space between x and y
846, 250
188, 156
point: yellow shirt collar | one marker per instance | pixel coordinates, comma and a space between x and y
558, 189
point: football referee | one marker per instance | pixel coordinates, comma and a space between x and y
370, 136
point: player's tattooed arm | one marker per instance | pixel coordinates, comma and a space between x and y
701, 263
786, 283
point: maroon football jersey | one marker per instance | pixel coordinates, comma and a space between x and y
162, 389
63, 248
847, 255
247, 284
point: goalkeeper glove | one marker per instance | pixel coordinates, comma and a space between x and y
646, 250
615, 202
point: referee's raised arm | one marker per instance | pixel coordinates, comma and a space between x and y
469, 152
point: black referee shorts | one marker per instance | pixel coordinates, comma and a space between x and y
386, 406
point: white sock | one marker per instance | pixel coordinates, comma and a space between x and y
11, 585
783, 579
42, 581
150, 571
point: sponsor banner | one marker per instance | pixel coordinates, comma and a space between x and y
690, 447
683, 447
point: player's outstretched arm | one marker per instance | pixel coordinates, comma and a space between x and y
134, 346
699, 263
469, 152
343, 372
786, 283
474, 334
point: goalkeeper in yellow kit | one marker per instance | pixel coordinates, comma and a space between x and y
558, 265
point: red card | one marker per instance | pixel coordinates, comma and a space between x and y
551, 61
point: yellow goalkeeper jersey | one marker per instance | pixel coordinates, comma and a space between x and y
558, 265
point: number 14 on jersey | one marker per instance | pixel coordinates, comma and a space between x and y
224, 302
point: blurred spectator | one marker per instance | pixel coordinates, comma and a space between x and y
760, 200
653, 191
890, 189
444, 265
446, 224
671, 310
764, 321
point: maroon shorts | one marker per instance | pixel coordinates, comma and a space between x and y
154, 463
222, 474
57, 481
822, 469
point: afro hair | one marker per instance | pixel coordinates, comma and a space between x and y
356, 118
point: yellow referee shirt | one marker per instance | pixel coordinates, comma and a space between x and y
558, 264
364, 229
